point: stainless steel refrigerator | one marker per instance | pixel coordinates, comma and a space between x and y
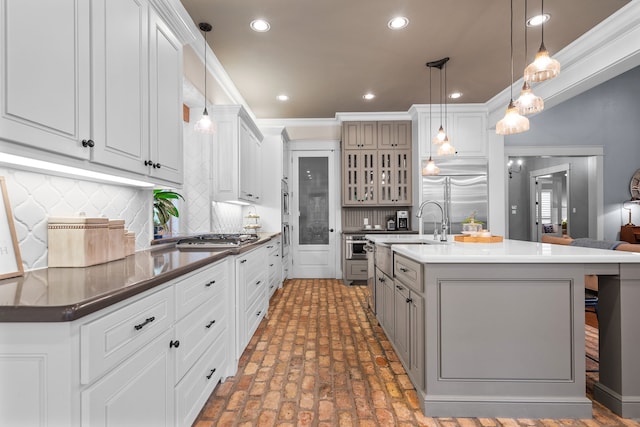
461, 188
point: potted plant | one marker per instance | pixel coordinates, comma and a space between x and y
163, 210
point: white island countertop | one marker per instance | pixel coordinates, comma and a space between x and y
425, 249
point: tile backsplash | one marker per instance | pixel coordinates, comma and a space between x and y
35, 196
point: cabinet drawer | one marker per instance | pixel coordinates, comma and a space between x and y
408, 271
356, 270
194, 389
255, 287
252, 263
203, 284
108, 340
197, 331
254, 315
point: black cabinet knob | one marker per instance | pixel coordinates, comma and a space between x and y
157, 165
88, 143
175, 344
148, 163
210, 324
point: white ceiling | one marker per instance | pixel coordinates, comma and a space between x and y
326, 54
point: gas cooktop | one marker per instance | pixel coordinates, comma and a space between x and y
216, 241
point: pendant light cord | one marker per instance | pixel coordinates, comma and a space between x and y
444, 93
205, 70
511, 29
430, 108
526, 44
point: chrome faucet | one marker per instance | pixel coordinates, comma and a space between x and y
443, 228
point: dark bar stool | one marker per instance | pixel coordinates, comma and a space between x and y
591, 304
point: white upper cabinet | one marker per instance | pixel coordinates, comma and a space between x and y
120, 65
165, 96
236, 161
465, 124
44, 75
96, 80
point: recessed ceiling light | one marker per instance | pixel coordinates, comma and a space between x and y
455, 95
398, 23
538, 20
260, 25
368, 96
282, 98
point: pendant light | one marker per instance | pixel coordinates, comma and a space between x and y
543, 66
441, 135
446, 149
430, 169
512, 122
528, 102
205, 125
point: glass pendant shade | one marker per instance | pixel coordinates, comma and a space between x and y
440, 136
512, 122
430, 168
205, 125
542, 68
446, 149
528, 102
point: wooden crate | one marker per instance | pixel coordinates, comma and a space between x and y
477, 239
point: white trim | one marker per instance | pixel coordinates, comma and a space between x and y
298, 122
555, 151
176, 17
314, 145
373, 116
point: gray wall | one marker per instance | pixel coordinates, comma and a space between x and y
520, 222
607, 115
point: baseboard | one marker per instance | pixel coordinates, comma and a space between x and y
624, 406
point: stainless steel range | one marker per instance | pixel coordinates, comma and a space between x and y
216, 241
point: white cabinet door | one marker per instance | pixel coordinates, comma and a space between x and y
246, 162
470, 134
44, 74
119, 83
139, 392
165, 102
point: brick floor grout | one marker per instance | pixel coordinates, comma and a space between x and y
320, 359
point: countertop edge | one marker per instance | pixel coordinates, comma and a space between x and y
72, 312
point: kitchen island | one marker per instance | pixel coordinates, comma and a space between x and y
497, 329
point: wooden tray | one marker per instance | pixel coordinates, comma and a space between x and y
477, 239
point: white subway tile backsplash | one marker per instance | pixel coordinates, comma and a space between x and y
36, 196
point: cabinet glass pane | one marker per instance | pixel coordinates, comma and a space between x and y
313, 189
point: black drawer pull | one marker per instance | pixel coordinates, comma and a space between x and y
399, 287
409, 300
259, 313
211, 374
210, 283
270, 246
210, 324
175, 344
142, 325
404, 270
270, 265
258, 282
243, 261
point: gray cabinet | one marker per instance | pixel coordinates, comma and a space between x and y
360, 135
394, 134
388, 306
376, 163
409, 318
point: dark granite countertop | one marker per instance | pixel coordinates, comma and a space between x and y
64, 294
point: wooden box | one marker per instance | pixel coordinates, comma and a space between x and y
129, 243
116, 239
477, 239
77, 241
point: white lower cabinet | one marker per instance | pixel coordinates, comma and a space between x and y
251, 294
139, 392
275, 265
151, 360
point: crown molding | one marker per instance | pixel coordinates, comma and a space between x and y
298, 122
373, 116
176, 17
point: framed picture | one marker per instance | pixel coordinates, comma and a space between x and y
10, 261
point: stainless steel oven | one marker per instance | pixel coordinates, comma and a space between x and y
354, 247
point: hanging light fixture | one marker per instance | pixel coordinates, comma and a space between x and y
512, 122
441, 135
528, 102
205, 125
446, 149
430, 168
543, 66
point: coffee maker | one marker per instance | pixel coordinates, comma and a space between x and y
402, 220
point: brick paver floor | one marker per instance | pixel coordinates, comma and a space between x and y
321, 359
